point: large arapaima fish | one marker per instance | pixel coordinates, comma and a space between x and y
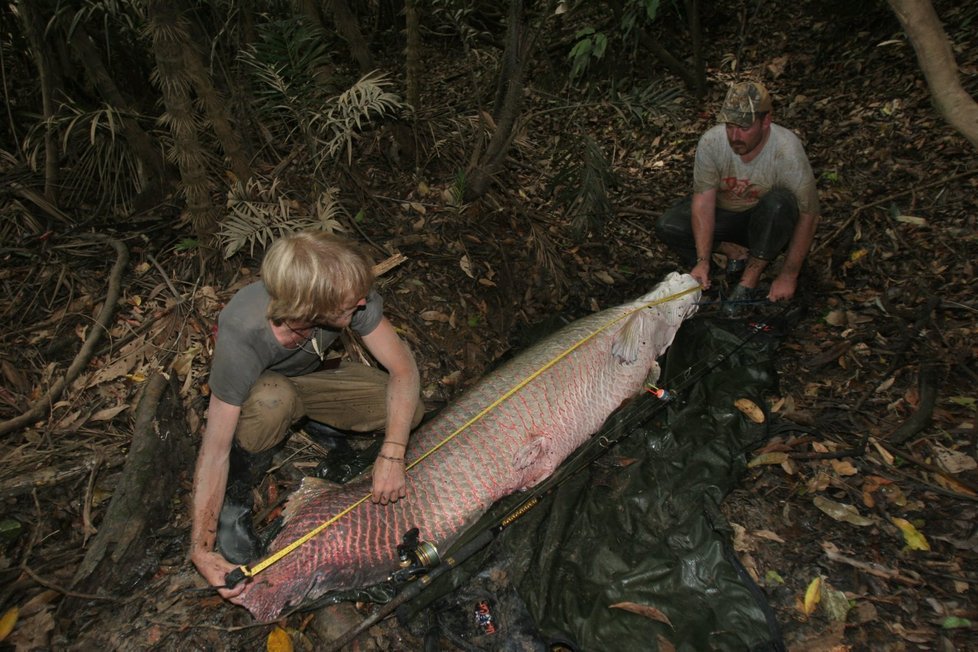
555, 395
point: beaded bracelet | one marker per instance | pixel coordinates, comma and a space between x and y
391, 459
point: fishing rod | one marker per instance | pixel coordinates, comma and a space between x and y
245, 571
581, 459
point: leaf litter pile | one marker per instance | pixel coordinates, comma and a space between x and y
859, 518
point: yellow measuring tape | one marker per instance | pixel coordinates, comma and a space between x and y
246, 571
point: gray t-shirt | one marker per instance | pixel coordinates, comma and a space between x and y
740, 185
246, 346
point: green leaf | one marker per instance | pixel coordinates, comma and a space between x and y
954, 622
964, 401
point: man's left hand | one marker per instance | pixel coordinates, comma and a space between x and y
783, 288
389, 482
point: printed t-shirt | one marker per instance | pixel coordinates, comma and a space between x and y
246, 346
740, 185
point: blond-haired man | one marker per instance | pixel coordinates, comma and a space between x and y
268, 371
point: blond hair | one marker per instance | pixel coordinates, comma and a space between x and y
313, 275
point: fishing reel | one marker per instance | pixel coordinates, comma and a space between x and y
415, 557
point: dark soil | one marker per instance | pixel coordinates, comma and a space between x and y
887, 338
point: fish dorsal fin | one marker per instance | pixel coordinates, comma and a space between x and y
627, 342
310, 487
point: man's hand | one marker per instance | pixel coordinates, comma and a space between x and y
783, 287
389, 483
702, 273
214, 568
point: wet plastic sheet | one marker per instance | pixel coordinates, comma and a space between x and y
641, 527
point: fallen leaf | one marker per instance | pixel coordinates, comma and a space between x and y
750, 409
836, 318
643, 610
664, 644
278, 641
915, 540
767, 534
954, 461
964, 401
841, 512
768, 458
604, 277
912, 219
33, 633
466, 266
813, 594
835, 603
844, 467
107, 414
952, 485
8, 621
954, 622
434, 315
183, 362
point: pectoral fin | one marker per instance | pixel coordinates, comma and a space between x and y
627, 342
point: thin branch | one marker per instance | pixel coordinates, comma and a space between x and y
88, 348
845, 225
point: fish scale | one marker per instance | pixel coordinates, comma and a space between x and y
513, 446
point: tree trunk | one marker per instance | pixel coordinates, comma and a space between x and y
145, 149
34, 30
217, 115
161, 452
348, 28
936, 59
507, 107
696, 42
170, 40
412, 53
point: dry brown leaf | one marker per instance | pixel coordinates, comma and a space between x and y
15, 377
768, 458
604, 277
844, 467
841, 512
434, 315
107, 414
33, 633
643, 610
952, 485
954, 461
750, 409
768, 534
466, 266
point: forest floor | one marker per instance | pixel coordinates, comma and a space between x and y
875, 493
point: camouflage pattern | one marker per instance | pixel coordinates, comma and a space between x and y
743, 102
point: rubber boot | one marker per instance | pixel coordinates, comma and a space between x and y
236, 538
343, 462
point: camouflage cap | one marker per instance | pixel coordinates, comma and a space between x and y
743, 102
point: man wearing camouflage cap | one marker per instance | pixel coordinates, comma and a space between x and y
753, 197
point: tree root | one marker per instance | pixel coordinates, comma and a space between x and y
84, 356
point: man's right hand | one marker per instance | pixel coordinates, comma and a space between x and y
214, 568
702, 273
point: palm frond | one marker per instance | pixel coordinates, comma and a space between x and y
580, 184
260, 212
347, 114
